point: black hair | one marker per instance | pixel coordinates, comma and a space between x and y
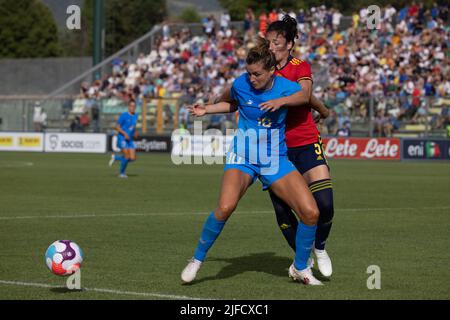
286, 27
261, 53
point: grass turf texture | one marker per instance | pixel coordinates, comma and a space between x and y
138, 233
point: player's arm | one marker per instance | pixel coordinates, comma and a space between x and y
224, 97
118, 129
298, 99
315, 103
199, 110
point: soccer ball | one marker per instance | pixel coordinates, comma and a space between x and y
63, 257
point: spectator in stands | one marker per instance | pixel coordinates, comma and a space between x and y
84, 121
383, 127
344, 131
273, 16
75, 125
95, 115
225, 21
262, 24
249, 21
39, 118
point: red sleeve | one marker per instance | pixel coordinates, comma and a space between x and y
304, 71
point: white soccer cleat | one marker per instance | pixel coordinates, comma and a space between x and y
323, 262
305, 276
190, 272
123, 176
310, 262
113, 159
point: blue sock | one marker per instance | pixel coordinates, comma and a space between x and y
123, 165
118, 158
304, 242
211, 230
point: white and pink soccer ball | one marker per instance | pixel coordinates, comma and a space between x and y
64, 257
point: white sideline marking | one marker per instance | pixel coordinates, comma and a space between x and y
112, 215
15, 164
118, 292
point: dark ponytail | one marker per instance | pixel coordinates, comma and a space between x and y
286, 27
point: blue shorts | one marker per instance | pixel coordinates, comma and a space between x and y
125, 144
307, 157
266, 174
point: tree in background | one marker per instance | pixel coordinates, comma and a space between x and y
190, 14
27, 30
128, 20
125, 21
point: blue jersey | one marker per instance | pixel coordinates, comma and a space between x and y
127, 123
260, 132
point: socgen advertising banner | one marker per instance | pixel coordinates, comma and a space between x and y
426, 149
362, 148
75, 142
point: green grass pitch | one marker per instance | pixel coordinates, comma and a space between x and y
137, 234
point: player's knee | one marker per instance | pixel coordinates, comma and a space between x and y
326, 211
224, 210
310, 215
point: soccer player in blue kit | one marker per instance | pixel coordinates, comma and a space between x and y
126, 132
259, 151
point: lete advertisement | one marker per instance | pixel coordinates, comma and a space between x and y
362, 148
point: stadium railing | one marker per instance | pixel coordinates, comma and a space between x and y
163, 115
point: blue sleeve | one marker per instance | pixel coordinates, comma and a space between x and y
292, 88
121, 119
233, 91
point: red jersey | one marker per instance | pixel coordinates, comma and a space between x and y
300, 127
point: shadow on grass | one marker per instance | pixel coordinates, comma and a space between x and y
266, 262
62, 290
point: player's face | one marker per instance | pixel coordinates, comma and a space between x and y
260, 78
132, 107
278, 45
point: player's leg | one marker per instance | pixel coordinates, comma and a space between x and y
319, 182
234, 184
286, 219
131, 153
121, 144
294, 191
124, 162
317, 175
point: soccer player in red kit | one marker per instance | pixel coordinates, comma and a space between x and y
305, 148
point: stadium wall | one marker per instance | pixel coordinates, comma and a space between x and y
22, 77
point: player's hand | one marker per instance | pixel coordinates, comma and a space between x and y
319, 124
271, 105
136, 135
316, 116
197, 110
126, 136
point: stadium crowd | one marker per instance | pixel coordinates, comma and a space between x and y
402, 64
